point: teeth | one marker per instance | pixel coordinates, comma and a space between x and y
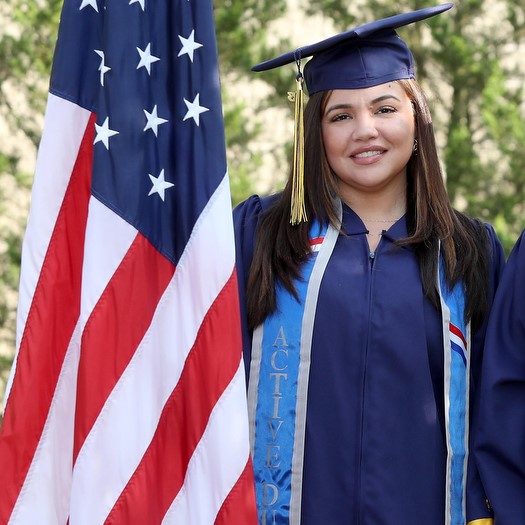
367, 154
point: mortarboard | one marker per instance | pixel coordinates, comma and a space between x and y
362, 57
366, 56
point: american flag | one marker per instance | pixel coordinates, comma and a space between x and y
126, 402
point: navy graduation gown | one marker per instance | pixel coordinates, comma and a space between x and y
500, 436
375, 448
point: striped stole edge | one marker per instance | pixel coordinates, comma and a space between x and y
456, 346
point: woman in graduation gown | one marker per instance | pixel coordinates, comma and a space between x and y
365, 296
500, 432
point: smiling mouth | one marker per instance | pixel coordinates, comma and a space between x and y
365, 154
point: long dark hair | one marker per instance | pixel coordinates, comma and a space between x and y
281, 248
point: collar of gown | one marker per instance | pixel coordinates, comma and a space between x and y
353, 225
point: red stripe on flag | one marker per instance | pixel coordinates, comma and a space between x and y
115, 328
50, 323
209, 368
239, 507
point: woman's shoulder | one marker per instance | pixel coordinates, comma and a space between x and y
488, 243
246, 218
496, 251
484, 231
515, 267
518, 250
255, 204
248, 213
493, 238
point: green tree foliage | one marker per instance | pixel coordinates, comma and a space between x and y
505, 190
242, 31
26, 50
485, 144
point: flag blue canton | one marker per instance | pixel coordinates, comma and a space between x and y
159, 150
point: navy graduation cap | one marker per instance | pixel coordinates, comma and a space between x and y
362, 57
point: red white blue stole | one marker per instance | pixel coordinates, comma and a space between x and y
278, 389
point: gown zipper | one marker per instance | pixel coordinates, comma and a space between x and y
372, 257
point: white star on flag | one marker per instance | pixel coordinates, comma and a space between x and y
146, 58
194, 109
189, 45
92, 3
103, 133
159, 185
141, 2
102, 68
154, 121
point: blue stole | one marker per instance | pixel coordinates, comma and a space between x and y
278, 389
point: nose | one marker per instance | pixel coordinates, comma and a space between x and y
365, 128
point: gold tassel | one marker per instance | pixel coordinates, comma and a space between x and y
298, 209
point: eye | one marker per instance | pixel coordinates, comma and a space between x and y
340, 117
386, 109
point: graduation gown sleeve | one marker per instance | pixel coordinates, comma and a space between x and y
246, 218
477, 501
499, 446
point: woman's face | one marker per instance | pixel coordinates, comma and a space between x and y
368, 136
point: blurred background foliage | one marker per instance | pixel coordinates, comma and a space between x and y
470, 62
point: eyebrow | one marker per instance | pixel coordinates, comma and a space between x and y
372, 102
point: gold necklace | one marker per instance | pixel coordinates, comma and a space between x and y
380, 220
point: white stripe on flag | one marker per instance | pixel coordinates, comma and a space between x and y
227, 444
108, 238
45, 494
44, 497
64, 128
107, 461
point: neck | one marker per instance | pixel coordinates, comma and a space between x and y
381, 207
